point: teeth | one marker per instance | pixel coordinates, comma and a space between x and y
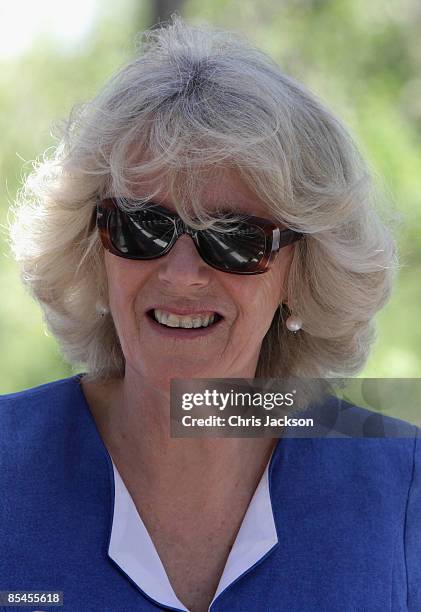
171, 320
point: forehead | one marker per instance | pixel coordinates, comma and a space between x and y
216, 189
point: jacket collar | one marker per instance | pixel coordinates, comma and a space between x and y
132, 549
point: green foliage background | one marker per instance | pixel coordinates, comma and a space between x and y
362, 58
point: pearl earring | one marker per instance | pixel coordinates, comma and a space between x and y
101, 309
293, 323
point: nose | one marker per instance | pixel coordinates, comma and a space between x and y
183, 266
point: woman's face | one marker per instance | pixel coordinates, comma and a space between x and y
182, 280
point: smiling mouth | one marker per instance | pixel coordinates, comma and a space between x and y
184, 325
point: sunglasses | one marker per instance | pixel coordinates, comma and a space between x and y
151, 232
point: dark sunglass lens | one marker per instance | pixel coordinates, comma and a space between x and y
144, 234
238, 250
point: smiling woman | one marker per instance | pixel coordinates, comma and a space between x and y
205, 216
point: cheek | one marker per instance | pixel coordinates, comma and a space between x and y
123, 285
258, 300
270, 288
259, 297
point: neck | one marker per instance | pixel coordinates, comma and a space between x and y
133, 418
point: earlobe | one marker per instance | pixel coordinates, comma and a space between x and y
101, 309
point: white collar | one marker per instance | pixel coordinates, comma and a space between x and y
132, 549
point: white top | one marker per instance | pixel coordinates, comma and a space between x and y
131, 546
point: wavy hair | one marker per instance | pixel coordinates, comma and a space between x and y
195, 98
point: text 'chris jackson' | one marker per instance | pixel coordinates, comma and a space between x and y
238, 421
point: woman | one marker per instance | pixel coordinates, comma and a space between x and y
202, 133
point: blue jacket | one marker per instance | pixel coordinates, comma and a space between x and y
346, 511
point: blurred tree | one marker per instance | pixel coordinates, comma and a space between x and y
163, 9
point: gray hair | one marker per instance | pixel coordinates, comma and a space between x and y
191, 99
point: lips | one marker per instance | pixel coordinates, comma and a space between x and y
186, 310
182, 333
